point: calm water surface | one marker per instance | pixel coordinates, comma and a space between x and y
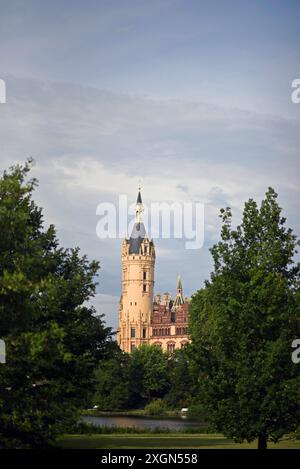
142, 422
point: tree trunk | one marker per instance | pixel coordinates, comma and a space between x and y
262, 441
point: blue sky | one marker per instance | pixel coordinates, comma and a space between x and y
176, 93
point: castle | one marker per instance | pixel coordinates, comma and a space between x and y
143, 318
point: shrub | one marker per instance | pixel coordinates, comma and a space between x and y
157, 407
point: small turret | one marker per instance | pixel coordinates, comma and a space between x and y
157, 299
166, 299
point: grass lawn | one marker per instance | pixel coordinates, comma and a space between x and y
169, 441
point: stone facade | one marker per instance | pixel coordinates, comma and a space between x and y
169, 326
142, 318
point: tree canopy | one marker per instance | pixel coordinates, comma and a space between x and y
147, 372
53, 339
112, 381
243, 323
129, 381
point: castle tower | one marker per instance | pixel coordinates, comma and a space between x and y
136, 303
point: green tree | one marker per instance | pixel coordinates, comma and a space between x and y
180, 378
243, 323
112, 381
147, 373
53, 341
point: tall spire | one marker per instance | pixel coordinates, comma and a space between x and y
179, 284
139, 207
138, 233
179, 300
139, 197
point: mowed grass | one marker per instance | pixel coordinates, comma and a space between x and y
169, 441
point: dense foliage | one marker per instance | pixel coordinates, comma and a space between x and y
53, 340
144, 377
148, 373
242, 326
112, 381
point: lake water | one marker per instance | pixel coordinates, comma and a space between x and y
142, 422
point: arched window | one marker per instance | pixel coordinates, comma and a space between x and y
171, 347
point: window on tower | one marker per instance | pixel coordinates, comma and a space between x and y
132, 332
144, 288
144, 275
144, 333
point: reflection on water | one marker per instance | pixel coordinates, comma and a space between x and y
141, 422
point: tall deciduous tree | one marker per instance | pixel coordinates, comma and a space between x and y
243, 323
112, 381
180, 378
53, 341
147, 373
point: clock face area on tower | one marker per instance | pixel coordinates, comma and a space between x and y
143, 318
